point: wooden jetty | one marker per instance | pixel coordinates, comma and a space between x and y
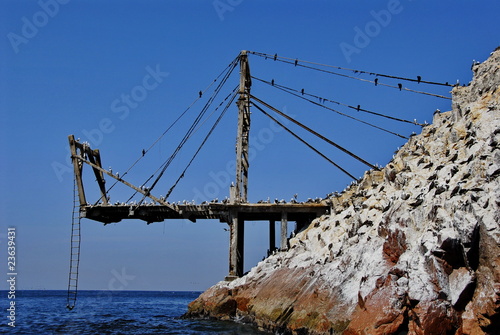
234, 212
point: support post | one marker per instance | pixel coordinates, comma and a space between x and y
284, 231
242, 161
77, 166
236, 246
272, 236
239, 191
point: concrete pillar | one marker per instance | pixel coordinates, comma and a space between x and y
284, 231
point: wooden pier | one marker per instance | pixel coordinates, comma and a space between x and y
234, 211
235, 215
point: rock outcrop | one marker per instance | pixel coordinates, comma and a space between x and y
413, 248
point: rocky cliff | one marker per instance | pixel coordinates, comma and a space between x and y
413, 248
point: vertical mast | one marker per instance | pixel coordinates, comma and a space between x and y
240, 191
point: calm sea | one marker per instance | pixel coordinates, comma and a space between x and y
110, 312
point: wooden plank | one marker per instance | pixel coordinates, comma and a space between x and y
77, 167
284, 231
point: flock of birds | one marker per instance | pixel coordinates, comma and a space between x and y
226, 200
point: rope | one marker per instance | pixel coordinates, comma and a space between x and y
315, 133
348, 116
418, 80
229, 67
376, 82
356, 108
188, 134
206, 138
303, 141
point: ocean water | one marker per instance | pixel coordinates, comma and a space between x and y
110, 312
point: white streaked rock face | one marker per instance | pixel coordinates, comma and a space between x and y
416, 241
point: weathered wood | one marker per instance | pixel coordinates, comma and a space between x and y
247, 212
143, 192
77, 167
242, 137
284, 230
236, 246
95, 158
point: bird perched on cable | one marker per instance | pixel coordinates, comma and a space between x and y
376, 81
400, 86
419, 79
200, 93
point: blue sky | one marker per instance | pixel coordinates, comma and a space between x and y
66, 65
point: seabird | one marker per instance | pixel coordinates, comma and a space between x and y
376, 81
400, 86
419, 200
275, 56
296, 61
143, 152
419, 79
272, 82
200, 93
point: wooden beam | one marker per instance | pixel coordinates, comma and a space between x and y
95, 157
77, 167
145, 193
242, 137
284, 231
